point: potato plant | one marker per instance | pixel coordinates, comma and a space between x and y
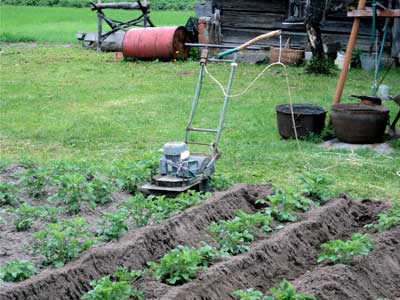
113, 225
182, 264
61, 242
236, 235
115, 287
74, 190
128, 175
101, 190
285, 291
157, 208
315, 185
35, 181
388, 219
342, 252
220, 182
284, 203
25, 215
17, 270
8, 194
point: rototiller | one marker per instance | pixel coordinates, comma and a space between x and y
179, 169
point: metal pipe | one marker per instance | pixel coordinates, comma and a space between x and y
378, 65
195, 101
220, 46
226, 100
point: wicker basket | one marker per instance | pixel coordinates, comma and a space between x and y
288, 56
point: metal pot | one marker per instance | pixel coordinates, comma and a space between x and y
359, 123
308, 119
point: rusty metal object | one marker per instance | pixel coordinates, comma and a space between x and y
368, 100
308, 119
359, 123
156, 43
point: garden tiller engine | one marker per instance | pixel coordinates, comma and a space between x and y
179, 169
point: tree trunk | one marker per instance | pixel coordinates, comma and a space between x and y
314, 15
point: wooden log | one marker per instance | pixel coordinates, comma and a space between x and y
120, 5
347, 58
363, 13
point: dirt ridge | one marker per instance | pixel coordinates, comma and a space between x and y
367, 278
136, 248
288, 253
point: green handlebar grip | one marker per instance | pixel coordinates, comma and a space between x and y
227, 52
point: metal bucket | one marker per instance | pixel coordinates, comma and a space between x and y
308, 119
359, 123
156, 43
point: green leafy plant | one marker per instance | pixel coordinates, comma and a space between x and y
284, 203
285, 291
50, 214
114, 224
128, 175
235, 235
25, 215
73, 191
140, 208
157, 208
35, 180
323, 66
315, 185
356, 58
182, 264
220, 182
388, 219
249, 294
116, 287
342, 252
17, 270
102, 190
63, 241
8, 194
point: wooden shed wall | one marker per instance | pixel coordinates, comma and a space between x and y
242, 20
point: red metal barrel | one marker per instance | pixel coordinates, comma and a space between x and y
156, 42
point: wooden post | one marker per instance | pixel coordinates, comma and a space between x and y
349, 52
99, 28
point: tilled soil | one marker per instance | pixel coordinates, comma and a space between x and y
375, 276
289, 253
15, 245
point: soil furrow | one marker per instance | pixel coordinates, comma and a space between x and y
370, 277
136, 248
288, 253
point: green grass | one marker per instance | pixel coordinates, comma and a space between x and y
62, 102
66, 103
59, 24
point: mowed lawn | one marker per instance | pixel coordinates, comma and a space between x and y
60, 24
62, 102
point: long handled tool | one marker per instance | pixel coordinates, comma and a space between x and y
181, 170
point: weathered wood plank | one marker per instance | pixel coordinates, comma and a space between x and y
298, 39
120, 5
363, 13
272, 6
